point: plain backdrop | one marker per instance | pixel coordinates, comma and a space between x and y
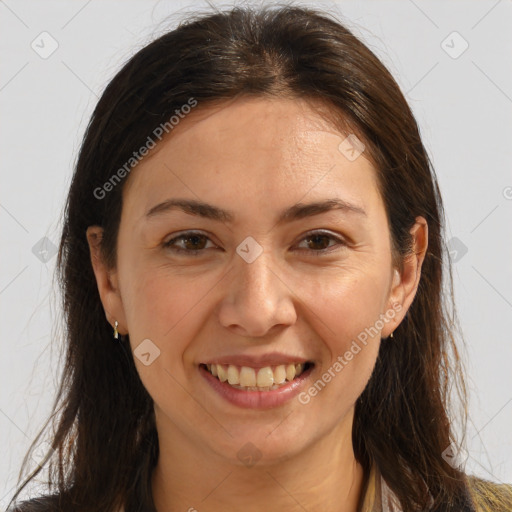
453, 63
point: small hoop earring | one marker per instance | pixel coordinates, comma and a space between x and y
116, 334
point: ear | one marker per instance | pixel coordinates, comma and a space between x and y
405, 283
106, 280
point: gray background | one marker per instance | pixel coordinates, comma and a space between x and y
463, 104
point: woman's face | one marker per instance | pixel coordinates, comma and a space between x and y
272, 282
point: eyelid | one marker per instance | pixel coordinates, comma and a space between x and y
185, 234
323, 232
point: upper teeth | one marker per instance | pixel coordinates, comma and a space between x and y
257, 378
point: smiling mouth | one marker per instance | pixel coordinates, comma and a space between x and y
267, 378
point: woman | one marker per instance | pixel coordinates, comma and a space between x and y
252, 266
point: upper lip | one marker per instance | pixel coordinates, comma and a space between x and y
273, 359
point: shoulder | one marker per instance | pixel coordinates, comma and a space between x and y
490, 496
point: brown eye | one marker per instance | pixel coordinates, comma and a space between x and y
317, 242
192, 243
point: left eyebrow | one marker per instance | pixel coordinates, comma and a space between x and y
295, 212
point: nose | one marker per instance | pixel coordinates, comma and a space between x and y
256, 298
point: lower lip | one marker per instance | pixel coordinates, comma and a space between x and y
257, 399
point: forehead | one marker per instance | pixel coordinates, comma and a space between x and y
272, 124
272, 147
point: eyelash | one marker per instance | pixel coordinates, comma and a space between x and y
196, 252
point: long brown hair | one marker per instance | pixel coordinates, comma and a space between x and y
105, 438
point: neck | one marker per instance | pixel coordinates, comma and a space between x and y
323, 476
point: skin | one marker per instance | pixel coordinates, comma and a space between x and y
256, 157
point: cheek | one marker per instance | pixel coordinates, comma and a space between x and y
349, 319
348, 301
162, 309
159, 304
168, 309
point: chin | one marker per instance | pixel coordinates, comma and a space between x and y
258, 445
